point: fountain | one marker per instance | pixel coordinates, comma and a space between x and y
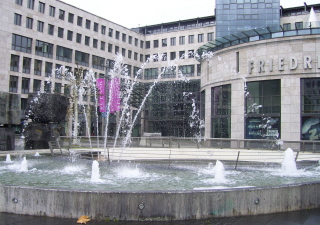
151, 190
95, 173
24, 165
288, 165
8, 158
219, 172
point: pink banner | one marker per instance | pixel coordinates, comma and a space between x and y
102, 94
114, 89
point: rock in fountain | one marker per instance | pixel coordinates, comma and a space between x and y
24, 165
95, 173
288, 165
219, 172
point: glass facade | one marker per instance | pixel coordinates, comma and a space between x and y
221, 112
233, 16
310, 109
263, 109
169, 107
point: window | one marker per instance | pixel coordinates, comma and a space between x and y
187, 70
164, 57
14, 64
52, 11
110, 32
19, 2
164, 42
87, 40
98, 62
198, 69
286, 26
60, 32
103, 29
141, 58
141, 44
95, 43
79, 21
30, 4
41, 7
13, 84
136, 42
48, 69
299, 25
58, 71
36, 85
123, 52
25, 85
124, 37
220, 111
151, 73
117, 35
191, 39
50, 29
26, 65
17, 19
181, 54
78, 39
182, 40
168, 72
147, 57
88, 24
103, 46
40, 26
67, 89
64, 54
69, 35
70, 18
135, 57
155, 43
57, 88
129, 54
37, 67
130, 39
191, 54
21, 43
147, 44
96, 27
109, 47
29, 23
172, 55
210, 36
173, 41
47, 87
82, 58
200, 37
61, 14
137, 72
116, 49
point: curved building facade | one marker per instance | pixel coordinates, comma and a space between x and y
264, 89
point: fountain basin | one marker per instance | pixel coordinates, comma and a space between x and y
163, 205
178, 202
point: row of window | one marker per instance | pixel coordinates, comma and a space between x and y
287, 26
45, 49
71, 19
182, 40
98, 63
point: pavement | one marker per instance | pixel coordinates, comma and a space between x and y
303, 217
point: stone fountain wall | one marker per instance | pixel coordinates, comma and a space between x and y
169, 205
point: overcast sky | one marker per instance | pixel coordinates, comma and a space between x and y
135, 13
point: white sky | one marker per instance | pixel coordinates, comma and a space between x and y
135, 13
